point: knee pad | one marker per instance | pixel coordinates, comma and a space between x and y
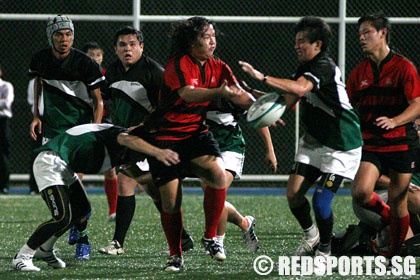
321, 202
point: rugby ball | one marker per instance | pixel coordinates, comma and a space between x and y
266, 110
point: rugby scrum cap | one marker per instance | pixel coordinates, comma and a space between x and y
56, 23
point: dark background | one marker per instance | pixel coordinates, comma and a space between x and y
268, 46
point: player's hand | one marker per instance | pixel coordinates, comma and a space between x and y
245, 86
227, 92
249, 69
413, 188
385, 123
271, 160
279, 122
168, 157
35, 128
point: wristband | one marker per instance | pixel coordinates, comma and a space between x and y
264, 79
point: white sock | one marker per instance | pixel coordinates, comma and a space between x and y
311, 232
26, 250
221, 238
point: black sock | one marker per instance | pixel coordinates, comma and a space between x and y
126, 205
415, 223
325, 227
303, 214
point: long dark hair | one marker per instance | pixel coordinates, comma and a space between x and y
184, 34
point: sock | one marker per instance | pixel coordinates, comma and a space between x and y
184, 233
158, 204
172, 225
415, 223
26, 250
221, 238
325, 227
325, 248
377, 205
126, 207
310, 232
302, 213
399, 228
83, 237
214, 201
49, 244
111, 191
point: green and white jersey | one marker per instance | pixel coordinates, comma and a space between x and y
415, 179
89, 148
326, 110
222, 121
66, 89
134, 93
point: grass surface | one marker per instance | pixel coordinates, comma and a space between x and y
278, 232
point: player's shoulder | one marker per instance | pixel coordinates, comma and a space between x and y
153, 63
42, 54
404, 61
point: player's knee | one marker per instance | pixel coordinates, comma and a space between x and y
218, 178
321, 202
294, 197
63, 221
360, 198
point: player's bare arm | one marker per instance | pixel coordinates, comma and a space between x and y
243, 98
299, 87
409, 114
167, 156
270, 156
98, 105
36, 124
193, 94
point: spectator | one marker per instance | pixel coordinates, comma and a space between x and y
6, 100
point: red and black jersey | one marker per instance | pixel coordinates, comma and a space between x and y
181, 119
384, 91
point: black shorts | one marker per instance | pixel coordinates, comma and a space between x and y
402, 162
195, 146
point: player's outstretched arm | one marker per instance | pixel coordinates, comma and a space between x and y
167, 156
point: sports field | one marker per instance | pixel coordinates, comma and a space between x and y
277, 230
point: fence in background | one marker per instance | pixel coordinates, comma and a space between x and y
260, 32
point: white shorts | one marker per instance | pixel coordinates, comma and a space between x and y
343, 163
51, 170
234, 162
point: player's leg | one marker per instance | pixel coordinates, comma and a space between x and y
187, 242
305, 171
400, 218
111, 191
364, 184
300, 180
172, 222
126, 207
41, 243
321, 202
211, 171
335, 167
81, 211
